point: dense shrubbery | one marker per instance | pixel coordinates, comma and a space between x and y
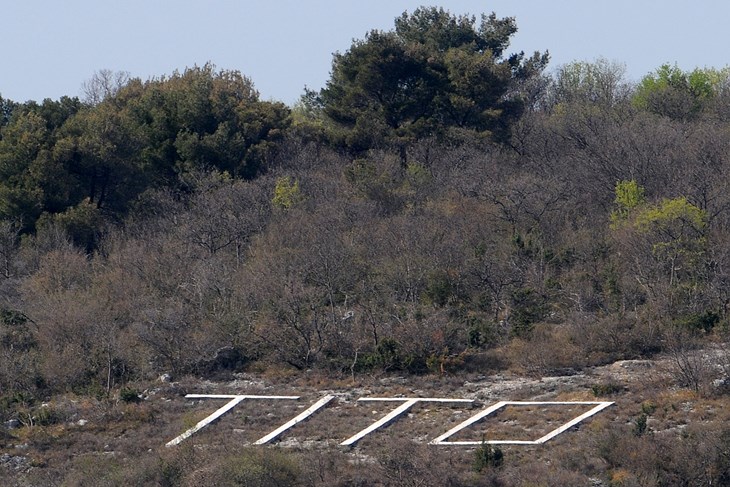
372, 265
599, 228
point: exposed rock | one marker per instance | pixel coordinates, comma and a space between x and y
14, 462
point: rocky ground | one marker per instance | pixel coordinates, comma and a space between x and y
58, 434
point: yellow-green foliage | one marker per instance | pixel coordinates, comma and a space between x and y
417, 174
629, 195
672, 217
677, 224
286, 193
658, 92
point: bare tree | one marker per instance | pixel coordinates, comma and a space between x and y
104, 84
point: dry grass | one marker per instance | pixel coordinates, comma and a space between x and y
124, 442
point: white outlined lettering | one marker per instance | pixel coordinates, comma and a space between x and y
234, 400
408, 403
298, 419
599, 406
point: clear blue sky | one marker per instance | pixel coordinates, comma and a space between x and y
51, 47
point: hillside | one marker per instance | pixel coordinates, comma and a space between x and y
443, 219
654, 432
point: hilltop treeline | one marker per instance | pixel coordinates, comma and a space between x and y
440, 205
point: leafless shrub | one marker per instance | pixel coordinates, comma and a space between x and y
692, 366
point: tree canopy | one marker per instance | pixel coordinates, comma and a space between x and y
434, 75
130, 137
682, 95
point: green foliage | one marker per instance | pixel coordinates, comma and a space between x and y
106, 470
528, 308
12, 402
704, 321
648, 407
605, 389
629, 196
25, 143
286, 193
362, 174
387, 355
444, 362
417, 175
390, 355
610, 282
640, 424
678, 94
487, 457
134, 138
397, 266
129, 395
676, 227
12, 318
170, 473
435, 75
382, 181
86, 386
202, 119
667, 242
6, 110
98, 147
44, 415
83, 223
438, 289
24, 407
673, 229
672, 217
480, 332
309, 122
31, 178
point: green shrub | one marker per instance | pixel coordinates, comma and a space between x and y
605, 389
481, 333
528, 307
129, 394
487, 456
11, 403
700, 321
43, 415
390, 355
438, 289
648, 407
640, 425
